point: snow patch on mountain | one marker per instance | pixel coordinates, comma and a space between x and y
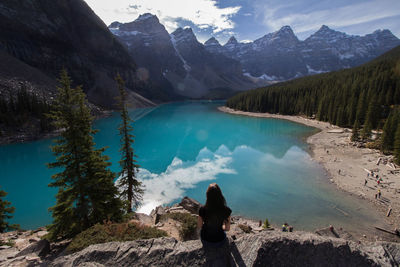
312, 71
185, 65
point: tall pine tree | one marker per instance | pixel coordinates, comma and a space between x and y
5, 214
86, 192
366, 131
131, 188
397, 145
356, 129
389, 130
373, 113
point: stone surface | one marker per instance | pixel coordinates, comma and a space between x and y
268, 248
190, 204
144, 219
156, 214
41, 248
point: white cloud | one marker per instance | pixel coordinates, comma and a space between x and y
202, 13
336, 17
170, 185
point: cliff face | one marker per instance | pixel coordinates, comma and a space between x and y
50, 35
268, 248
178, 63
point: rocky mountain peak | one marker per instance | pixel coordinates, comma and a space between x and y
326, 34
324, 28
232, 41
284, 37
232, 44
212, 42
285, 32
326, 31
146, 23
184, 35
148, 17
385, 33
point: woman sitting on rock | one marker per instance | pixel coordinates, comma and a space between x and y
214, 217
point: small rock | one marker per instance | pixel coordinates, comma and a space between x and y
5, 247
32, 258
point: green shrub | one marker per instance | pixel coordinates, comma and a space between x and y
188, 224
266, 224
109, 232
245, 228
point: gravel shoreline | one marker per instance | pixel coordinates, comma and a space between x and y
347, 165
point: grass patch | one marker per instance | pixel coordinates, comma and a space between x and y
188, 224
109, 232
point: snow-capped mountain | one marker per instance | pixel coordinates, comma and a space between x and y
177, 62
281, 56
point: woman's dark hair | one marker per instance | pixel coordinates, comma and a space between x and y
215, 199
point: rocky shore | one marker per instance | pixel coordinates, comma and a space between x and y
248, 245
348, 165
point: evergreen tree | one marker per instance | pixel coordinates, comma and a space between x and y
373, 113
361, 107
131, 188
389, 130
5, 214
86, 192
397, 145
356, 128
366, 131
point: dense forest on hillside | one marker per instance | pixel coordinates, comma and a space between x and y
22, 108
362, 96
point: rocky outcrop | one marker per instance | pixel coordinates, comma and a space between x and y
268, 248
256, 247
190, 205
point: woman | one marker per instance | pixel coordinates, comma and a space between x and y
214, 217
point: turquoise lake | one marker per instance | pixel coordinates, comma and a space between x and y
262, 165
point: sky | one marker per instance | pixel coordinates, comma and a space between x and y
249, 20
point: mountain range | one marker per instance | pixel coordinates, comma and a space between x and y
280, 55
179, 62
39, 38
276, 56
